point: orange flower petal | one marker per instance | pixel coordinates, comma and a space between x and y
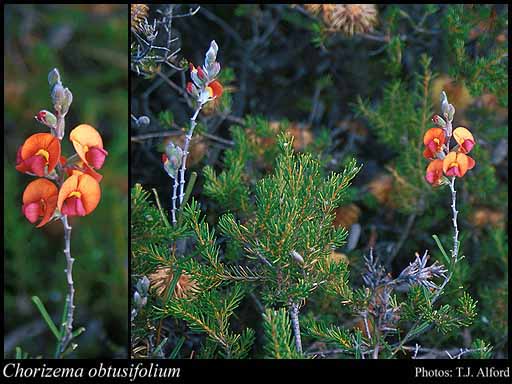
51, 204
464, 138
69, 186
91, 192
427, 154
43, 145
456, 164
81, 186
84, 137
434, 172
216, 88
434, 133
43, 192
471, 162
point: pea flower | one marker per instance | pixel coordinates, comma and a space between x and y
434, 139
435, 172
464, 138
39, 201
79, 195
88, 145
38, 155
457, 164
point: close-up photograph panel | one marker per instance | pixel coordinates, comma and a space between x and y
65, 282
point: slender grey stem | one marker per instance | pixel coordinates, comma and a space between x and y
455, 248
174, 197
68, 327
294, 314
188, 138
455, 213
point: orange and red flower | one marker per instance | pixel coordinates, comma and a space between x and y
434, 140
457, 164
88, 145
215, 89
39, 200
79, 195
434, 172
464, 138
39, 154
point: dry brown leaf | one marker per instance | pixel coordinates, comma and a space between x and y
486, 216
162, 277
346, 215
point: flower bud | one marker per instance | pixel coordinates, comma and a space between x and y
297, 257
451, 112
137, 299
58, 95
192, 90
143, 285
211, 54
444, 103
438, 120
172, 159
47, 118
213, 70
53, 77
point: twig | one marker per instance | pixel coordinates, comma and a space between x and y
455, 249
188, 138
68, 327
174, 197
294, 314
454, 260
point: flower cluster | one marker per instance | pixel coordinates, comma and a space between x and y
203, 86
445, 161
53, 195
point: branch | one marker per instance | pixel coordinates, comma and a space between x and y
188, 138
68, 327
294, 314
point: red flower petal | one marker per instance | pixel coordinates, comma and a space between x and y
200, 73
468, 145
96, 156
32, 211
189, 87
35, 164
73, 206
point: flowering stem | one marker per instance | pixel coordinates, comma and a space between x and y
454, 260
68, 327
294, 314
455, 249
188, 138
